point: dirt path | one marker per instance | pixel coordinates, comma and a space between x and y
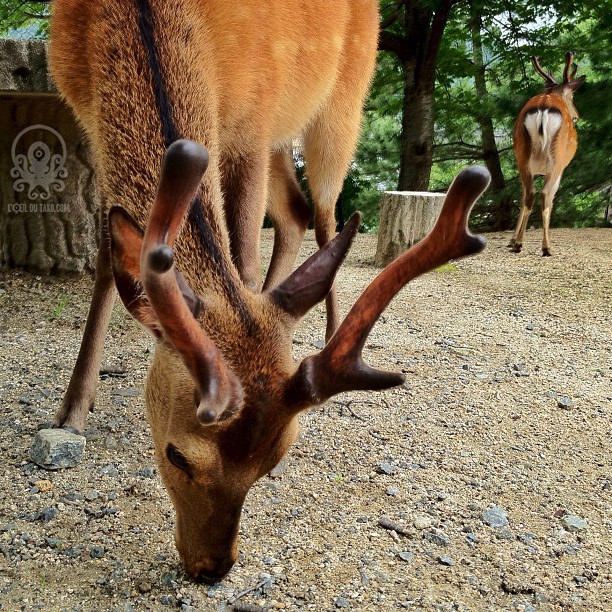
505, 417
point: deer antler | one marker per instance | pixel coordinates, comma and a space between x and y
339, 366
550, 79
217, 387
569, 58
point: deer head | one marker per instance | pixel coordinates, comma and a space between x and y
565, 89
223, 393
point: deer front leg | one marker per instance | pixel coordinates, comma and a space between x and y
81, 392
245, 183
528, 195
549, 190
289, 213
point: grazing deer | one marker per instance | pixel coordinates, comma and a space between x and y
150, 79
545, 142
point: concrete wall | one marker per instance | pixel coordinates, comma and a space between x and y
48, 196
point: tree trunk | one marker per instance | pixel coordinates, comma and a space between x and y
502, 217
417, 134
405, 218
422, 25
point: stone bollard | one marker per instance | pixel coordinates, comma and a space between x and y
48, 197
405, 218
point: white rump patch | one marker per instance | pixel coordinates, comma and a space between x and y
542, 126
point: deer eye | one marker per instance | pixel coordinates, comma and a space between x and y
177, 459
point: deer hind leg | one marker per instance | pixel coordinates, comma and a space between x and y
527, 198
245, 183
329, 145
326, 167
549, 190
81, 392
289, 213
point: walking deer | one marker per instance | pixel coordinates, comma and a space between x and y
150, 79
545, 142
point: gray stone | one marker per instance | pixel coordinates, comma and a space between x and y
422, 521
97, 552
342, 602
565, 403
496, 517
386, 468
571, 522
405, 556
54, 449
444, 560
437, 537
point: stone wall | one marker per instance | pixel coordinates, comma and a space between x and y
48, 196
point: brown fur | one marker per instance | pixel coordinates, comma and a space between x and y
550, 161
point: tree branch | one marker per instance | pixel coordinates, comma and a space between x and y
393, 43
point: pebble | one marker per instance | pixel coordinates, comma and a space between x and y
444, 560
565, 403
405, 556
126, 392
437, 537
97, 552
422, 521
571, 522
54, 449
342, 602
386, 523
386, 468
496, 516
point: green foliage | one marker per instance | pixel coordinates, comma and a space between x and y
57, 310
510, 34
20, 19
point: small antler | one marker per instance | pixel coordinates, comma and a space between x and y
574, 71
569, 58
339, 366
550, 79
217, 387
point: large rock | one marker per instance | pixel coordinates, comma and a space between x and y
54, 449
48, 197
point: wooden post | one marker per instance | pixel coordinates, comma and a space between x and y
405, 218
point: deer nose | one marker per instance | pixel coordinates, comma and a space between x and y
214, 572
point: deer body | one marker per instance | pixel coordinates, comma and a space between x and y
545, 142
150, 79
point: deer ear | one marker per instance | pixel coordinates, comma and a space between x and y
576, 83
126, 245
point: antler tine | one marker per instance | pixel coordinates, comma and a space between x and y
550, 79
184, 165
339, 366
569, 58
574, 71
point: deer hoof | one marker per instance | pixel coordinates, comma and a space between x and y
546, 253
511, 243
516, 248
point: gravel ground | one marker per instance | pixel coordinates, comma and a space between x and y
484, 483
